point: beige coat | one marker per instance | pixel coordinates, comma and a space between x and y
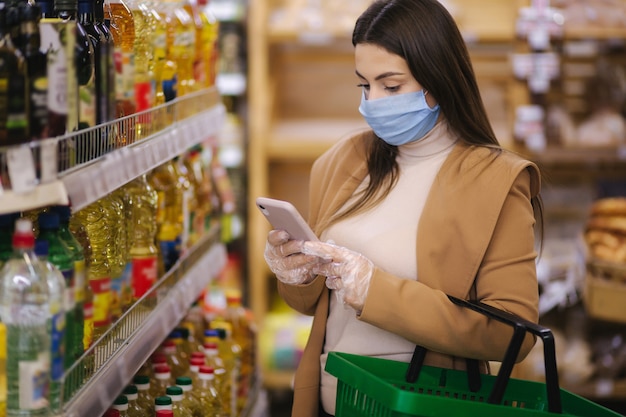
475, 234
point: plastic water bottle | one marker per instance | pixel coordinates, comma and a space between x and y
25, 310
57, 323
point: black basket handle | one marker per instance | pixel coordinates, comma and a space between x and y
520, 327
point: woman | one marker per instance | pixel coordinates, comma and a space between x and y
424, 205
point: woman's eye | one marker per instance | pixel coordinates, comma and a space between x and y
392, 89
364, 86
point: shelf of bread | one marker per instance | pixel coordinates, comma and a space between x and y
86, 165
306, 139
106, 367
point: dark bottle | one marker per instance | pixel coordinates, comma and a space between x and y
13, 117
85, 72
36, 64
104, 28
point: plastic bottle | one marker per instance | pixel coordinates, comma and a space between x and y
60, 255
135, 409
224, 383
75, 330
181, 40
209, 397
57, 323
202, 187
164, 181
94, 218
144, 398
244, 334
190, 399
189, 204
121, 404
163, 403
210, 35
123, 30
176, 362
178, 406
230, 352
116, 249
25, 312
181, 336
143, 251
163, 379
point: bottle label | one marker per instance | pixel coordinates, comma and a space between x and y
117, 289
57, 333
101, 288
170, 251
88, 326
128, 76
127, 289
144, 274
143, 94
70, 289
33, 383
87, 104
79, 281
118, 61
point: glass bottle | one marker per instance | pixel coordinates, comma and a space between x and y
36, 64
85, 57
13, 121
56, 324
25, 312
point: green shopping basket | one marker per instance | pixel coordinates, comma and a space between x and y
375, 387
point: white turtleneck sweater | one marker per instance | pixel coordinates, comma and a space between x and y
385, 234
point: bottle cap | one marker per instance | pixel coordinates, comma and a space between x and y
112, 412
163, 400
197, 361
183, 380
121, 400
48, 220
23, 236
141, 379
162, 370
206, 369
174, 390
131, 389
64, 213
197, 354
211, 333
41, 248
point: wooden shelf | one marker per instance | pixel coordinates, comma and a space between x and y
306, 139
593, 32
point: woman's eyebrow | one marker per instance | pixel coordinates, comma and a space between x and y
381, 76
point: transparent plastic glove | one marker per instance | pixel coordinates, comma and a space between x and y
349, 273
286, 260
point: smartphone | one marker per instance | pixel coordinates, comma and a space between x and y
283, 215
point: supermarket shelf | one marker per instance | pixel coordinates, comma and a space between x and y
99, 167
593, 32
120, 352
306, 139
582, 163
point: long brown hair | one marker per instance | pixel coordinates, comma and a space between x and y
423, 33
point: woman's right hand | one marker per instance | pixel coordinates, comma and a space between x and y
285, 258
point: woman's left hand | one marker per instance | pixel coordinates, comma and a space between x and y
349, 273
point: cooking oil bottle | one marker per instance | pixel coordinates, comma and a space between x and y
199, 73
202, 186
142, 198
181, 39
143, 47
116, 250
188, 204
94, 219
164, 181
123, 32
210, 35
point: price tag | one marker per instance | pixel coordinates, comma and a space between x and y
48, 159
21, 167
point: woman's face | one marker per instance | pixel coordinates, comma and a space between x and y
383, 74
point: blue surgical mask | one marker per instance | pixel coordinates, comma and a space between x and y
400, 118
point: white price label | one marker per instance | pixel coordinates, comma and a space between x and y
48, 158
21, 165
